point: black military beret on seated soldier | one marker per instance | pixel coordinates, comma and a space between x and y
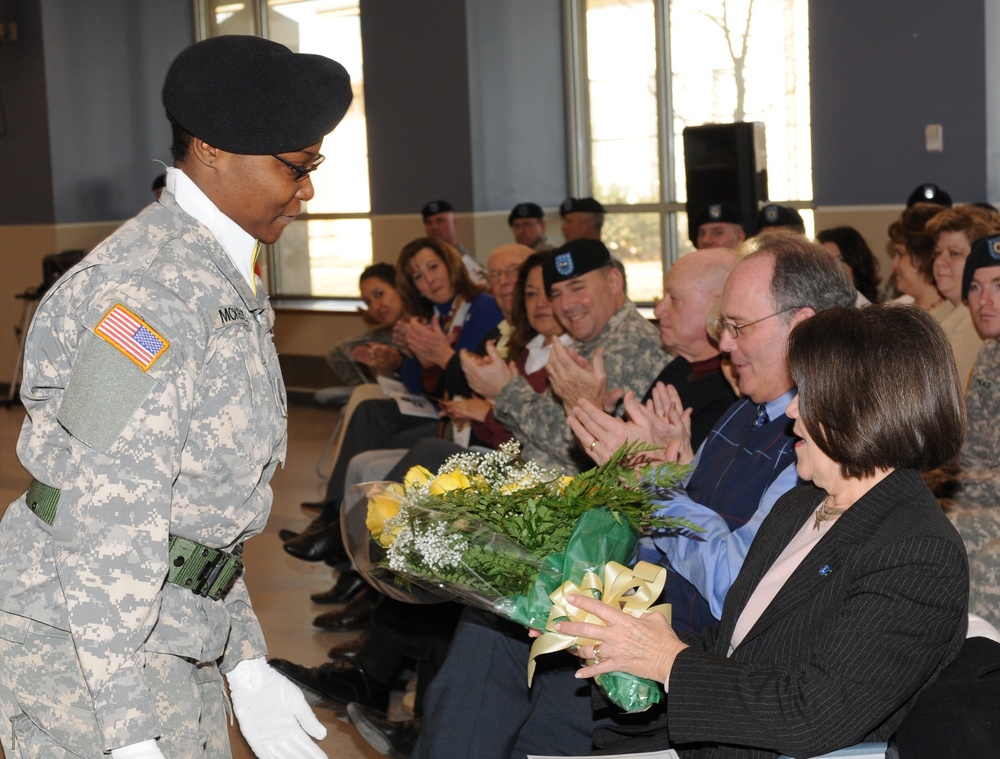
929, 193
434, 207
773, 215
714, 213
985, 252
574, 259
525, 211
255, 97
580, 205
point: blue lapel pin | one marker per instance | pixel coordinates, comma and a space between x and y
825, 570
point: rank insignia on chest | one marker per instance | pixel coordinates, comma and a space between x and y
132, 336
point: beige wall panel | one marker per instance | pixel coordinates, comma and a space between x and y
873, 224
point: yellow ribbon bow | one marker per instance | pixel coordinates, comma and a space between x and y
629, 590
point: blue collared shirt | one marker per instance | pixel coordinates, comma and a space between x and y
712, 560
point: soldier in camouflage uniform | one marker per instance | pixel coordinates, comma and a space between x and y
976, 513
588, 298
156, 416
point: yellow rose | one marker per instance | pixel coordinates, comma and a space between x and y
450, 481
417, 475
564, 482
381, 507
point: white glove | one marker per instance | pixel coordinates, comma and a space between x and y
273, 714
144, 750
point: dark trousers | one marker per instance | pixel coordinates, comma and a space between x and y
374, 424
480, 704
402, 631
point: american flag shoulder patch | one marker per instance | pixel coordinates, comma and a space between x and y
132, 336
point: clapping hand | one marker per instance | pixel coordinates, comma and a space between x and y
573, 378
429, 343
466, 409
384, 359
601, 434
400, 337
487, 375
672, 422
661, 423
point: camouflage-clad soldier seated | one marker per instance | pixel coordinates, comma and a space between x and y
976, 513
156, 418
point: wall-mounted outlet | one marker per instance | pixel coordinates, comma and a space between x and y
934, 138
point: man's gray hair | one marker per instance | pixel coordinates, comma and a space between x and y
805, 274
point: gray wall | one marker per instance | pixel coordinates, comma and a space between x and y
25, 163
416, 103
880, 72
464, 101
518, 103
81, 89
105, 61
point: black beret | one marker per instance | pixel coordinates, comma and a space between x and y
525, 211
929, 193
253, 96
773, 215
717, 212
574, 259
985, 252
435, 207
580, 205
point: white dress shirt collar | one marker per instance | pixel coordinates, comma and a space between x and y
237, 243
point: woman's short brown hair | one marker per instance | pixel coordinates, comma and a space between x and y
919, 244
458, 275
878, 388
974, 221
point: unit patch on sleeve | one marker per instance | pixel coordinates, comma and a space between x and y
132, 336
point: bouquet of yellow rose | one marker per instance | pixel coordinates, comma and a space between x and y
495, 532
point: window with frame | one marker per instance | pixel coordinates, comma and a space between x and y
642, 71
323, 252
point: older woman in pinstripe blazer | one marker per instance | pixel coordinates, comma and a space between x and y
854, 593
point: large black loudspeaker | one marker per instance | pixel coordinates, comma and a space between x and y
726, 163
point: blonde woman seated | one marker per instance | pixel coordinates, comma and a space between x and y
854, 593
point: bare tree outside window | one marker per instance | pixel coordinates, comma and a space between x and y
723, 61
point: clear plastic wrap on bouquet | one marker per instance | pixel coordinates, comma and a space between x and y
421, 549
426, 555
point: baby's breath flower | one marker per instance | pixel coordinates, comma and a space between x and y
446, 534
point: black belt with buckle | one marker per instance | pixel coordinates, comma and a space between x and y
205, 571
